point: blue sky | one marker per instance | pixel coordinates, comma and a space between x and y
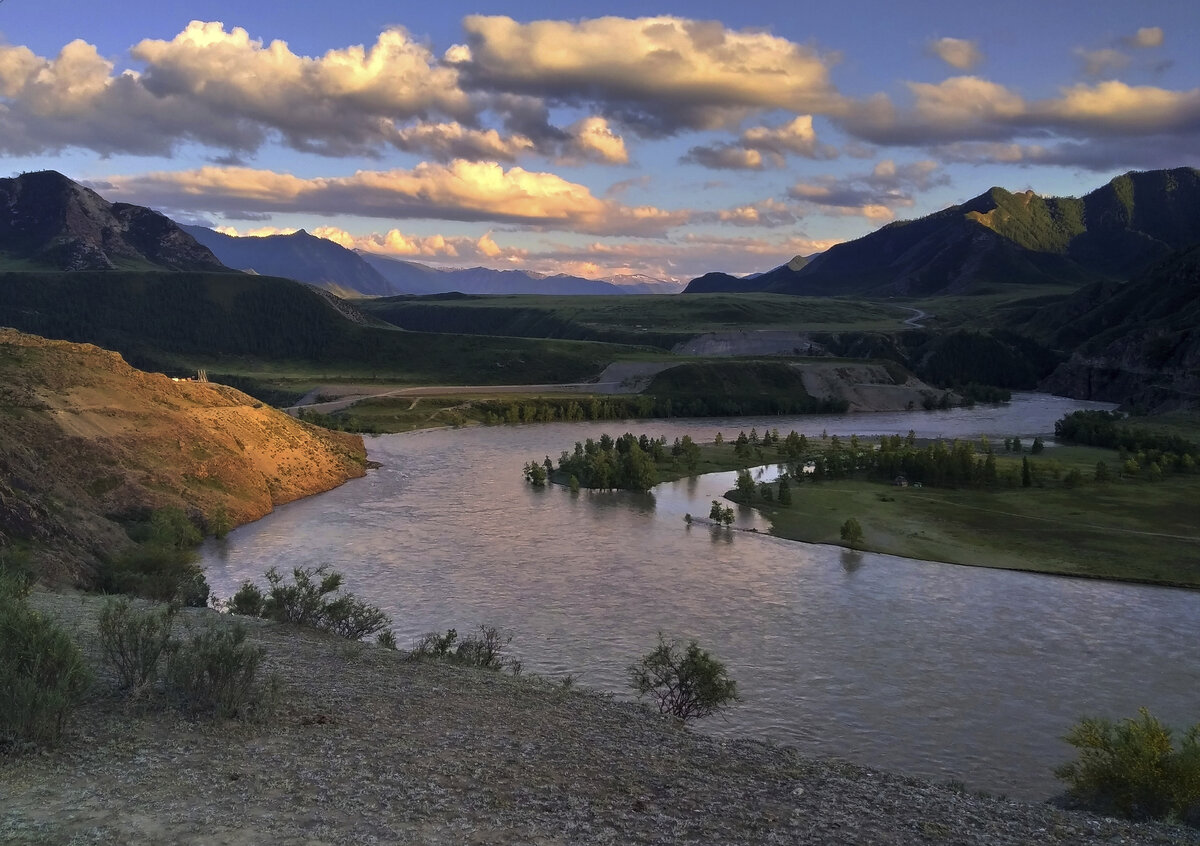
618, 138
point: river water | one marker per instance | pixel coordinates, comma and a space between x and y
935, 670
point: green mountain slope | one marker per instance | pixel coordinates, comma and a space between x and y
165, 320
1001, 238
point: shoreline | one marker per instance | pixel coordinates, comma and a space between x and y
366, 747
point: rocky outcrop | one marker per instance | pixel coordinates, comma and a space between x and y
49, 221
86, 439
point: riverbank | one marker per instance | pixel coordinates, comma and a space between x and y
367, 748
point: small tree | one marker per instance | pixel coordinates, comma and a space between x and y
852, 533
687, 683
1026, 474
745, 484
785, 491
535, 474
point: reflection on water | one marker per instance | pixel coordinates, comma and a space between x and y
931, 669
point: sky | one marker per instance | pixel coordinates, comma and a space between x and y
598, 140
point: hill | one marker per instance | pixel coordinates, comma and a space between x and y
87, 441
1001, 238
299, 256
56, 224
1136, 343
238, 323
716, 282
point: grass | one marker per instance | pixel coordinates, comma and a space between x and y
1126, 529
1129, 531
658, 320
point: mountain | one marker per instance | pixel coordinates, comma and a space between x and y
87, 441
722, 283
407, 277
1136, 343
1002, 237
299, 256
56, 224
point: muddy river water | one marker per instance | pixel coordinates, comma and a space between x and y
936, 670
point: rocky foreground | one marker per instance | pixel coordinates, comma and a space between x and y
366, 748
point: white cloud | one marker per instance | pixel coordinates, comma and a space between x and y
959, 53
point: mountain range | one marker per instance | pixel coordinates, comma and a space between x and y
999, 238
356, 273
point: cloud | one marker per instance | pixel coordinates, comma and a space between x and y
762, 145
724, 157
1102, 155
875, 195
592, 139
342, 102
1103, 61
1147, 36
449, 141
769, 213
1112, 107
659, 75
466, 191
968, 108
957, 52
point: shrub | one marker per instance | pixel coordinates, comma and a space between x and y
134, 641
1132, 768
485, 649
351, 618
248, 601
42, 673
307, 601
216, 673
386, 639
686, 683
159, 573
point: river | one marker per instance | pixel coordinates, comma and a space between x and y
942, 671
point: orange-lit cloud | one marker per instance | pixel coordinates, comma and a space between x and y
666, 75
876, 195
759, 146
468, 191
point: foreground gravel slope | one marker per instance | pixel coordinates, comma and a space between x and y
368, 749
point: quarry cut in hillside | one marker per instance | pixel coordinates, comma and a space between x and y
86, 440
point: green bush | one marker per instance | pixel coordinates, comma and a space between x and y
308, 600
134, 641
386, 639
216, 673
1132, 768
485, 649
686, 683
248, 601
42, 673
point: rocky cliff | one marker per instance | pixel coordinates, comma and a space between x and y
85, 440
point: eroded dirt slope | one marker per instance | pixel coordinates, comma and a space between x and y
84, 437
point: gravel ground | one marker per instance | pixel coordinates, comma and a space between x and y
365, 748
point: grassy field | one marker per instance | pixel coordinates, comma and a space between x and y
1134, 531
1126, 529
657, 320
